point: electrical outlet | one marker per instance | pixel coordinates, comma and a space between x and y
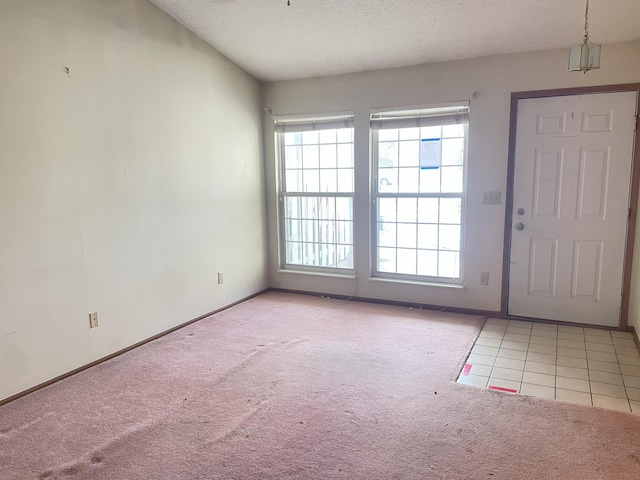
93, 320
220, 278
491, 198
484, 278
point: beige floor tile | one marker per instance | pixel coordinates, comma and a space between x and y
574, 337
598, 339
572, 396
602, 356
488, 342
521, 324
481, 359
537, 391
600, 347
605, 377
572, 352
544, 333
597, 332
539, 379
516, 337
629, 360
494, 328
608, 389
631, 381
541, 358
572, 362
544, 326
535, 367
572, 384
485, 350
630, 370
482, 370
515, 354
604, 366
570, 329
618, 334
506, 374
491, 334
624, 342
539, 340
503, 384
572, 372
635, 406
514, 345
633, 393
571, 344
518, 331
512, 363
630, 351
611, 403
548, 349
474, 380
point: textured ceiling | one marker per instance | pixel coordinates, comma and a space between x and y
273, 41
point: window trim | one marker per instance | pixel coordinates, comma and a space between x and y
376, 195
301, 123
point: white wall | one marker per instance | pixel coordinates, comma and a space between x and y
494, 79
125, 184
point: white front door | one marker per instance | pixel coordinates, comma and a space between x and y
570, 207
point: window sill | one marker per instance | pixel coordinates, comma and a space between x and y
415, 282
350, 276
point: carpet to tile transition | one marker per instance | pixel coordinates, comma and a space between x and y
287, 386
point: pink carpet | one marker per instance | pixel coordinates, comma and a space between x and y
288, 386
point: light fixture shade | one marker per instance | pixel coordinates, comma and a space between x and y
584, 57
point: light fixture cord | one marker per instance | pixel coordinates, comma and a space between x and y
586, 22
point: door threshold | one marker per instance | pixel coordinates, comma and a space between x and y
560, 322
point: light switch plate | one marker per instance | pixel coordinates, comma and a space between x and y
491, 198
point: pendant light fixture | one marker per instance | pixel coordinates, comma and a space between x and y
586, 56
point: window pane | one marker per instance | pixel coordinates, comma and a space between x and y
409, 133
407, 210
309, 207
449, 237
449, 131
326, 208
388, 180
344, 208
310, 137
409, 154
311, 180
344, 232
450, 210
310, 157
294, 252
449, 264
428, 210
345, 135
406, 261
406, 235
326, 231
327, 136
387, 209
386, 234
388, 154
428, 236
453, 151
430, 180
387, 134
345, 180
345, 155
293, 207
408, 181
387, 259
293, 138
328, 156
309, 230
428, 263
431, 132
293, 230
328, 180
451, 179
293, 179
293, 157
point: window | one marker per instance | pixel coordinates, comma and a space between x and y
419, 159
317, 189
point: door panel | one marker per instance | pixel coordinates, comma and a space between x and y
571, 197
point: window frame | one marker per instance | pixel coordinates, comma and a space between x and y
299, 124
376, 195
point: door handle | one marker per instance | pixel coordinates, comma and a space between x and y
519, 226
520, 212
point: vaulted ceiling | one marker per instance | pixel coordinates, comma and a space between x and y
274, 41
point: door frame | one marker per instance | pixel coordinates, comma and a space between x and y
633, 194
